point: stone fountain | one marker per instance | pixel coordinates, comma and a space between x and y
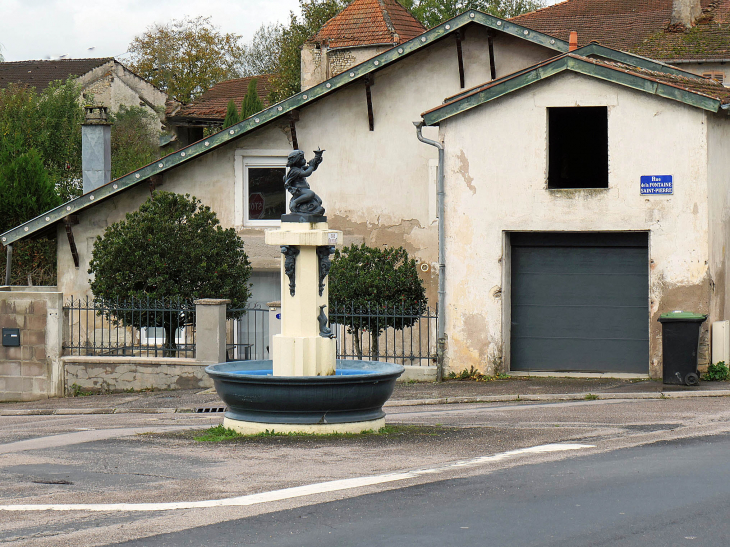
304, 388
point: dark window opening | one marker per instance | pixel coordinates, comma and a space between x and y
578, 147
266, 193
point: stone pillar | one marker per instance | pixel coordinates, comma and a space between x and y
210, 330
300, 350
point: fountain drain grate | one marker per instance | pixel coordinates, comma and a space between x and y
209, 409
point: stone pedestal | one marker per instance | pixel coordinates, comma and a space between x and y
300, 350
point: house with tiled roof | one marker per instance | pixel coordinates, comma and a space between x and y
604, 170
209, 110
109, 82
586, 198
693, 34
361, 31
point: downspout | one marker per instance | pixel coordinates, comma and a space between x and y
441, 336
8, 263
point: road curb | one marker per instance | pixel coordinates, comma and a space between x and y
509, 398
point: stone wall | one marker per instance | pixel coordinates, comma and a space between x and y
114, 374
32, 370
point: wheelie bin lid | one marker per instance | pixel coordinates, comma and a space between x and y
686, 316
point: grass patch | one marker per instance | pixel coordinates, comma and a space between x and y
219, 433
590, 397
475, 375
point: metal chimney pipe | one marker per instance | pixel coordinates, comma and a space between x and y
96, 148
685, 12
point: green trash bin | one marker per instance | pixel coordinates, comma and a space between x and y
680, 346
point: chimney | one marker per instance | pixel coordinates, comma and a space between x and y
685, 12
573, 42
96, 149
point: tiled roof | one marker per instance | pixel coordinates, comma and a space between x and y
369, 22
639, 26
212, 105
700, 92
39, 74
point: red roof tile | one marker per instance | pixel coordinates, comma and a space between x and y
39, 74
639, 26
212, 105
369, 22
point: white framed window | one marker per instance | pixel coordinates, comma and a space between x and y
261, 198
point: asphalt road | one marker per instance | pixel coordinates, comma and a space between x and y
671, 493
247, 489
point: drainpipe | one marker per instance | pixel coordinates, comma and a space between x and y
8, 263
441, 336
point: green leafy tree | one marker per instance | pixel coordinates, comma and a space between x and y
434, 12
40, 166
172, 247
186, 57
27, 192
135, 139
372, 289
261, 54
288, 66
231, 115
251, 102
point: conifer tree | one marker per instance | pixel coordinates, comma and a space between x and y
251, 102
231, 115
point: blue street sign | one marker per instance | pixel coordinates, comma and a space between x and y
278, 316
657, 184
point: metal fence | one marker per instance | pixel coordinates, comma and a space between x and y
248, 336
137, 327
406, 336
396, 334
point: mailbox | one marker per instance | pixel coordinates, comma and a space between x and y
11, 337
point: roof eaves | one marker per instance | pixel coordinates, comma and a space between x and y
275, 111
645, 83
599, 50
559, 64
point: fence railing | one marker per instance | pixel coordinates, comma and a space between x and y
397, 334
248, 336
136, 327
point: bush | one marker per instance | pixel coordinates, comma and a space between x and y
718, 372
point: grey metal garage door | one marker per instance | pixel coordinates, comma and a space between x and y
580, 302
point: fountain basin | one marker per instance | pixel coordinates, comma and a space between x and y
350, 401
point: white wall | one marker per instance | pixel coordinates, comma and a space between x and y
496, 182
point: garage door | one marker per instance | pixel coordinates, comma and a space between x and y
580, 302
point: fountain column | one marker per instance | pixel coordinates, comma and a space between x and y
305, 346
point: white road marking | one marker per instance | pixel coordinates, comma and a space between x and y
300, 491
79, 437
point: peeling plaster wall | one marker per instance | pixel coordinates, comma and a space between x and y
376, 185
496, 182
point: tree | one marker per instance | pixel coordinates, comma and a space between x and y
288, 68
186, 57
261, 54
172, 247
434, 12
231, 115
40, 166
251, 102
135, 139
371, 289
27, 192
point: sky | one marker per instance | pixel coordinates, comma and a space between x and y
48, 29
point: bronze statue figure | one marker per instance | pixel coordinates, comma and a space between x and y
290, 253
304, 200
324, 330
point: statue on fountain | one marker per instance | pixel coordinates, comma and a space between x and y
304, 200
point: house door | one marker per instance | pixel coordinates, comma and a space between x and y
580, 302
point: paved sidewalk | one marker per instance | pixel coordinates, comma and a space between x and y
406, 394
